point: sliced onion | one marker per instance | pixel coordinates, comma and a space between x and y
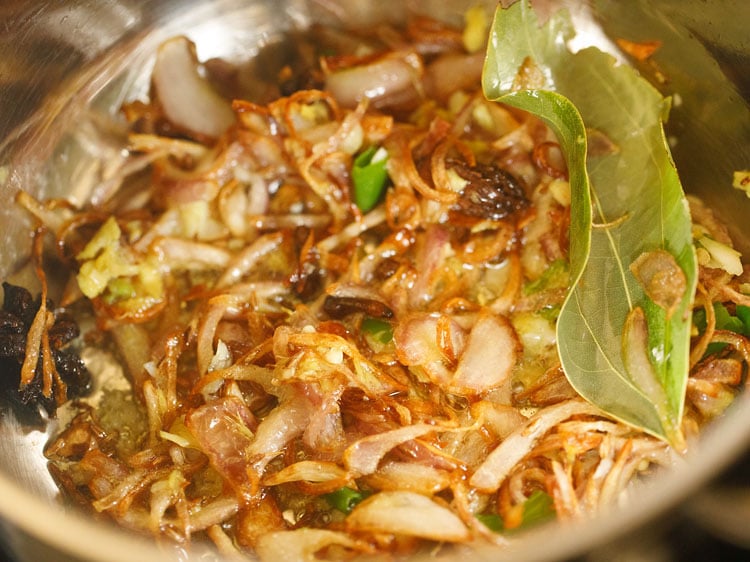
288, 221
237, 201
417, 340
309, 471
452, 72
353, 290
711, 386
632, 457
178, 253
364, 374
549, 388
179, 148
498, 464
566, 504
301, 545
43, 320
491, 353
103, 472
391, 76
740, 343
54, 219
325, 430
285, 422
248, 258
364, 455
188, 100
223, 429
175, 192
500, 419
409, 476
120, 498
215, 512
410, 514
224, 543
217, 308
352, 230
261, 517
432, 250
165, 493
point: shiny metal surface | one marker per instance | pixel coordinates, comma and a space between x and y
66, 67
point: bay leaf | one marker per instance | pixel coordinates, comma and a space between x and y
625, 202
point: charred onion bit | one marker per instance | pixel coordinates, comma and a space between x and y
339, 307
16, 316
492, 193
307, 279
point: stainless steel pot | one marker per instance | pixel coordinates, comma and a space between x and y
65, 68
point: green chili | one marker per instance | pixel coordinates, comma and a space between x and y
743, 313
344, 499
739, 324
119, 289
537, 508
370, 177
555, 276
492, 521
380, 330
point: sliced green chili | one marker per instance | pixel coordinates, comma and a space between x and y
119, 289
725, 321
549, 312
380, 330
344, 499
537, 508
739, 324
743, 313
370, 177
492, 521
555, 276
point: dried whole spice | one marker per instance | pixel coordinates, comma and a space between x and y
16, 317
491, 192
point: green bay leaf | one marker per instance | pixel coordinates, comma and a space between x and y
626, 201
